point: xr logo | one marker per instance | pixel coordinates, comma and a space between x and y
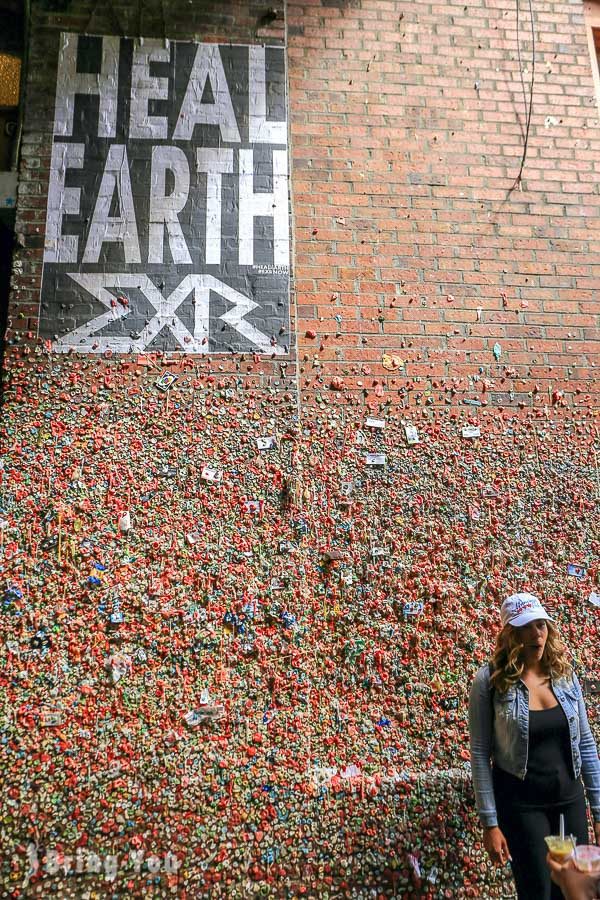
86, 338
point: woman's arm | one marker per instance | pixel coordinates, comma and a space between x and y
480, 739
590, 764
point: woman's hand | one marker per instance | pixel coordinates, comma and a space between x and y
597, 832
496, 846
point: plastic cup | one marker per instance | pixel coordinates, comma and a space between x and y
559, 848
587, 859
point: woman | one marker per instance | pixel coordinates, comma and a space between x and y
530, 743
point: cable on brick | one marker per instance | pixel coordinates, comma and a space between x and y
528, 106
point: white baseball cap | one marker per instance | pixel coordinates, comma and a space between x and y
519, 609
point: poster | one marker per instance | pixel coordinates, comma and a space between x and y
168, 204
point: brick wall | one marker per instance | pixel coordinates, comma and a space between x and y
408, 133
413, 238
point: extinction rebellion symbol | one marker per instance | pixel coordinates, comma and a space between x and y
168, 206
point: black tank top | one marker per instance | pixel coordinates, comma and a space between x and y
549, 779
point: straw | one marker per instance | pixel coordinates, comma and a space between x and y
573, 841
562, 827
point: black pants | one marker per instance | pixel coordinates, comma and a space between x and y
525, 829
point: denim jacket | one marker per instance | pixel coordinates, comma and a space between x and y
504, 739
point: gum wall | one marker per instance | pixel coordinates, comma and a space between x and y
300, 379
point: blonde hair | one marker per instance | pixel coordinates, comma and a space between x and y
508, 663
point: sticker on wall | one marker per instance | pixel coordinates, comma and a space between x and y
375, 459
210, 473
412, 434
169, 189
376, 424
269, 442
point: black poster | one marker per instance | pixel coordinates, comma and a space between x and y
168, 205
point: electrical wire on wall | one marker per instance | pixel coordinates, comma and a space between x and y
528, 104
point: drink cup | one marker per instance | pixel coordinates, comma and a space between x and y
587, 859
559, 848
